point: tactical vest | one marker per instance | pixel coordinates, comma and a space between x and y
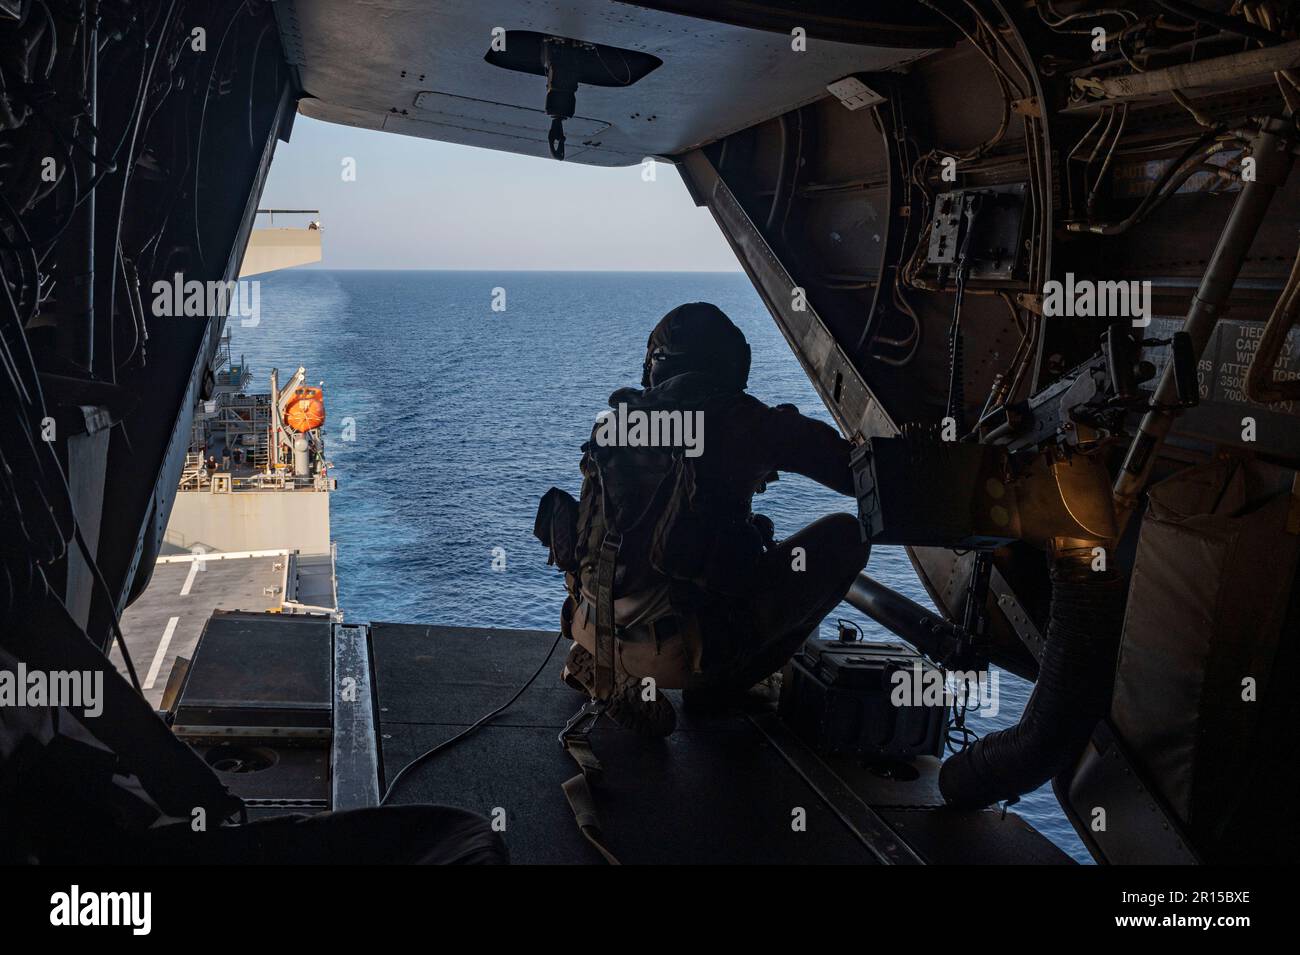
645, 534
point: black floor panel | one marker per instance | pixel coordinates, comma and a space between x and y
716, 791
713, 792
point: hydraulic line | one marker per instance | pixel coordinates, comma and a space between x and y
1272, 151
1261, 384
1170, 180
780, 189
956, 360
1091, 204
1227, 24
75, 331
956, 348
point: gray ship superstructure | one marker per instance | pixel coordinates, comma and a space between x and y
250, 526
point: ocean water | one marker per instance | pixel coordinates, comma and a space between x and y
447, 420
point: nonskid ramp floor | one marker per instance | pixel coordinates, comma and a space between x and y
714, 792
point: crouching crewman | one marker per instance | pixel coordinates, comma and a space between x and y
671, 575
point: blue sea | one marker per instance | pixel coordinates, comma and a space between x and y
448, 419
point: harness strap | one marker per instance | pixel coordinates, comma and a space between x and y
578, 792
603, 677
580, 749
576, 740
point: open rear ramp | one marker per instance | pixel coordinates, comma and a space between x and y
722, 789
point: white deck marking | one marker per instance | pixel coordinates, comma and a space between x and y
222, 555
160, 653
189, 579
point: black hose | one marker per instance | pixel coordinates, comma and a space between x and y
778, 191
1073, 692
1228, 24
1169, 182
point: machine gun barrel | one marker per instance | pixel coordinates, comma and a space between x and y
927, 631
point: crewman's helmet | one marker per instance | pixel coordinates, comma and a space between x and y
696, 337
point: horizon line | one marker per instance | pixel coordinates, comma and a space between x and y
319, 267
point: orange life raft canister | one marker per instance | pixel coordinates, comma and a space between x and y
306, 412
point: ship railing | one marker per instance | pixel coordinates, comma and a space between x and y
272, 213
294, 607
236, 377
246, 402
194, 475
223, 482
222, 356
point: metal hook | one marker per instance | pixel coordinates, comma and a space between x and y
556, 138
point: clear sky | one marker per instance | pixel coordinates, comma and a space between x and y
420, 204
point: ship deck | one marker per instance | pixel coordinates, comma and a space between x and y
166, 620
